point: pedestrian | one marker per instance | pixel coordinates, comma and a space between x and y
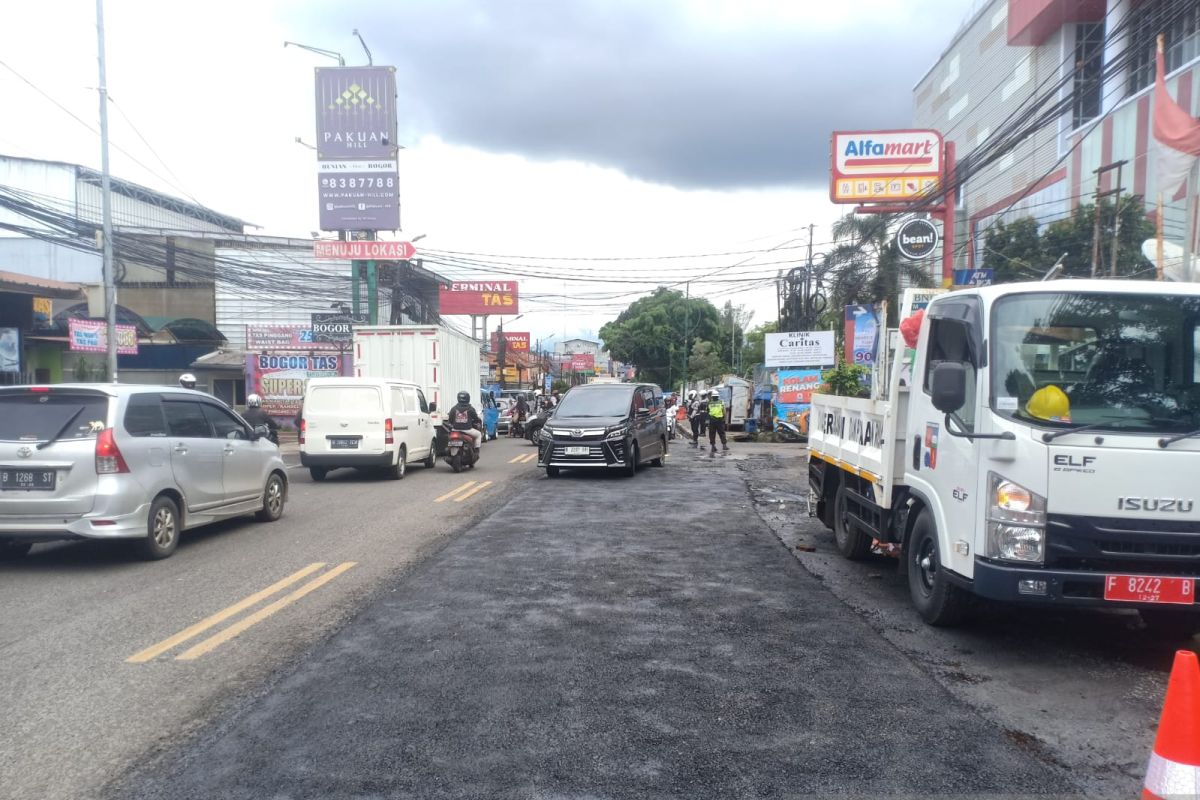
696, 415
716, 423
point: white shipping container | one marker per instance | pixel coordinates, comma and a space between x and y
441, 361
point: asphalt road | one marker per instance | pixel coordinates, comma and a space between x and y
77, 713
604, 637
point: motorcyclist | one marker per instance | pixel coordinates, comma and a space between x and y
697, 416
519, 415
256, 416
187, 380
463, 417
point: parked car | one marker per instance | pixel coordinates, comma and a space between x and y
609, 426
366, 423
115, 461
504, 423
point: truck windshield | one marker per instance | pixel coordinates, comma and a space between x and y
1115, 361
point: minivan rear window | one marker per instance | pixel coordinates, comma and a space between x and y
40, 416
347, 399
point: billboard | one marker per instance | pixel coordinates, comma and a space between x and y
583, 362
793, 395
875, 166
356, 112
800, 349
862, 334
358, 195
279, 378
91, 336
478, 298
283, 337
384, 251
517, 341
336, 328
10, 350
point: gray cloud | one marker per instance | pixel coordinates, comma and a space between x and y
639, 87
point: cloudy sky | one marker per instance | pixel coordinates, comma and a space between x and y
571, 144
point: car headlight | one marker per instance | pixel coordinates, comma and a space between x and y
1016, 529
545, 434
618, 432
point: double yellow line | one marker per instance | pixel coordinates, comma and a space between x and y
463, 492
523, 459
245, 623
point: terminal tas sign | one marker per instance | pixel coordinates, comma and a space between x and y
478, 298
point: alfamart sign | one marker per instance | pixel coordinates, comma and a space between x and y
875, 166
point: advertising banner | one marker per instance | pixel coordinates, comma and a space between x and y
336, 328
517, 341
874, 166
91, 336
356, 112
793, 395
478, 298
862, 334
911, 302
358, 195
800, 349
583, 362
10, 350
284, 337
280, 377
974, 277
380, 251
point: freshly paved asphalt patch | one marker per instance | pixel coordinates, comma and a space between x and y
604, 637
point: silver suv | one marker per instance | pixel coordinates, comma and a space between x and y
114, 461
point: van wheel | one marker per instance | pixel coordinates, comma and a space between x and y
938, 601
273, 497
162, 529
851, 542
431, 459
318, 473
662, 454
1170, 624
552, 472
397, 470
11, 551
631, 460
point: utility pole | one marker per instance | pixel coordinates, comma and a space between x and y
1099, 173
110, 287
687, 302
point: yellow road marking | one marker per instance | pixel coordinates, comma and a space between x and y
515, 459
200, 627
478, 488
215, 641
525, 459
453, 492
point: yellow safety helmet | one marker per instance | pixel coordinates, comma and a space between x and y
1049, 403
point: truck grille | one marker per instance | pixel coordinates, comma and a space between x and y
1106, 545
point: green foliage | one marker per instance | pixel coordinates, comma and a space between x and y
866, 266
651, 335
559, 386
1017, 251
705, 363
754, 351
846, 380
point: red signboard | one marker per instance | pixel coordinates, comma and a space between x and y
279, 378
284, 337
478, 298
583, 362
516, 341
368, 251
881, 166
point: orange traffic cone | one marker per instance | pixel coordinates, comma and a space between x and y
1174, 769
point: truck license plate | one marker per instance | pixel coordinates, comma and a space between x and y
578, 451
1148, 589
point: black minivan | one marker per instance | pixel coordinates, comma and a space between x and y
605, 425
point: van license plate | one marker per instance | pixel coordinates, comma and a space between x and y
42, 479
1149, 589
578, 451
343, 444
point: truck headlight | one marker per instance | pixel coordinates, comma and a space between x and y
1016, 528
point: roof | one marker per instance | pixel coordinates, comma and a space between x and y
16, 283
221, 359
145, 194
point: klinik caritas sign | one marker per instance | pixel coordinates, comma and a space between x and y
877, 166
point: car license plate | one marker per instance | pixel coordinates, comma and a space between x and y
578, 451
42, 479
343, 444
1148, 589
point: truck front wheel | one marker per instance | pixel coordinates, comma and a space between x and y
851, 541
938, 601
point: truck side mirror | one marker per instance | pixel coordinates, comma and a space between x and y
948, 385
432, 407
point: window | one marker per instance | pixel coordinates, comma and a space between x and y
425, 406
225, 424
346, 399
1181, 34
410, 399
949, 341
229, 391
39, 416
186, 418
398, 404
1087, 86
144, 416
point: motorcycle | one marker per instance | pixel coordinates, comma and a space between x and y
460, 451
535, 425
787, 432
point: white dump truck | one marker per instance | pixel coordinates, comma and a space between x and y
1036, 443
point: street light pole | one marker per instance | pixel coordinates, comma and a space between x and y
110, 287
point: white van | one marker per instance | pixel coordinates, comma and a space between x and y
365, 423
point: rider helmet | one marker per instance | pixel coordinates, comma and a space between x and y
464, 398
714, 394
253, 401
187, 380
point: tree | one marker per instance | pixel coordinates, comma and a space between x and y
654, 332
755, 350
1074, 236
1014, 251
705, 363
732, 335
866, 266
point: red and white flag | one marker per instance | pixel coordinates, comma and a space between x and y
1176, 137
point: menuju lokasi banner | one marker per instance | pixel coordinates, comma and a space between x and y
280, 378
478, 298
